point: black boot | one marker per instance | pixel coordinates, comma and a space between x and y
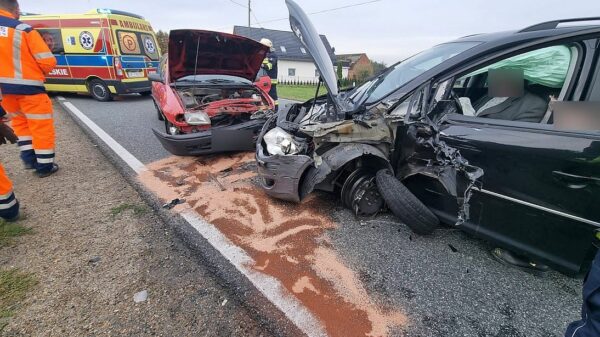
48, 173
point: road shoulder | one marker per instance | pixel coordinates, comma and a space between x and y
95, 244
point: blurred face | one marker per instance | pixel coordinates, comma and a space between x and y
49, 39
14, 11
505, 82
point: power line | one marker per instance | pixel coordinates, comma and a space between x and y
256, 19
324, 10
249, 8
237, 3
259, 23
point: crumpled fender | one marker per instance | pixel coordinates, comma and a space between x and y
335, 159
443, 163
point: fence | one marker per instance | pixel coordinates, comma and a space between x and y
344, 83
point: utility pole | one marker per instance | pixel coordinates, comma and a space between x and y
249, 11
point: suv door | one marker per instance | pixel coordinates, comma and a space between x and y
541, 185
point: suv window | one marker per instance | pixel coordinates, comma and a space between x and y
407, 70
545, 75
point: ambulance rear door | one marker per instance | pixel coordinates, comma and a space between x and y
137, 46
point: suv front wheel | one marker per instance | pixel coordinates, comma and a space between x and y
405, 205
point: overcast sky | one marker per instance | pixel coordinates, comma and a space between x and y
387, 30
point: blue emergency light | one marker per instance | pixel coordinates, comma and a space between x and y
118, 12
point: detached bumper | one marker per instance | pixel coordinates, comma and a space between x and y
280, 176
234, 138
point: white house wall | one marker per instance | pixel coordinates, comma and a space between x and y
305, 71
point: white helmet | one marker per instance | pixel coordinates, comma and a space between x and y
267, 42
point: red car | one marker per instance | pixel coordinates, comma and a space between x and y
206, 95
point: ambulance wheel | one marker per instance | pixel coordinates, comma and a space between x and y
99, 90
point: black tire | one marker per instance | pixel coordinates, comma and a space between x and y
405, 205
146, 93
99, 90
159, 114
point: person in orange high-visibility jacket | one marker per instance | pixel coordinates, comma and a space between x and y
25, 60
9, 205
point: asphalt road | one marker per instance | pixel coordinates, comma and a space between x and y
447, 283
129, 120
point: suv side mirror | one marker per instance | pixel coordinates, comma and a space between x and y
155, 77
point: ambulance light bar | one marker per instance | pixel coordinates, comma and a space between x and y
118, 12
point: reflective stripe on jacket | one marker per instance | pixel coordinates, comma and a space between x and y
270, 65
25, 57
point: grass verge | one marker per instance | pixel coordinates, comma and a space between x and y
299, 92
137, 209
14, 286
11, 230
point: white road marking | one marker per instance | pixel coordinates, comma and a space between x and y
136, 165
60, 98
269, 286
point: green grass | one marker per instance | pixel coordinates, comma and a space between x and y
14, 286
10, 230
299, 92
137, 209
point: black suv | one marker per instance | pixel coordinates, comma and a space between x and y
430, 139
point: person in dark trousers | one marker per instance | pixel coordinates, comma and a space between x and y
589, 325
270, 66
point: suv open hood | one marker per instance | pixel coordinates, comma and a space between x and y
308, 36
201, 52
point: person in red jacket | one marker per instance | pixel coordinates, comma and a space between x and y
9, 205
25, 60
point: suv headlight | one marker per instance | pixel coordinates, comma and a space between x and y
197, 118
280, 142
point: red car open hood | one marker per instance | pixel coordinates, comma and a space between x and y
201, 52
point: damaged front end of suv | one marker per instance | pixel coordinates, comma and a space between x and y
349, 142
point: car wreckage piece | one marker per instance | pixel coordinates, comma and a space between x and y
331, 157
441, 162
541, 176
206, 96
326, 144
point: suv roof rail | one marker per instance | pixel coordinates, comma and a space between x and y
555, 23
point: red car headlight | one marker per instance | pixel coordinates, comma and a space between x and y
197, 118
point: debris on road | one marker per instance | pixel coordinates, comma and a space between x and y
94, 260
216, 180
174, 203
286, 240
140, 297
